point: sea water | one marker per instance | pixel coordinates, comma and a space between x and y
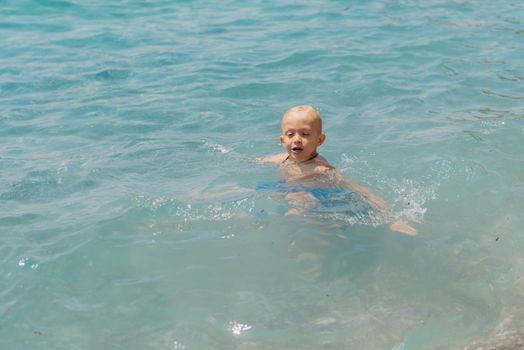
128, 215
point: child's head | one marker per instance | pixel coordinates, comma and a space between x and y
302, 132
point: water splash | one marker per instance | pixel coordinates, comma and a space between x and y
238, 328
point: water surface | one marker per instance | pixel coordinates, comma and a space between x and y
123, 132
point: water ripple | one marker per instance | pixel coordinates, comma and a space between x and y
124, 133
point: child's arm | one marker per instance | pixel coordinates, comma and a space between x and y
377, 203
374, 200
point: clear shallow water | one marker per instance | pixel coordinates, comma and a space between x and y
122, 128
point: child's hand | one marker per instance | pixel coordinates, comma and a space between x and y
403, 227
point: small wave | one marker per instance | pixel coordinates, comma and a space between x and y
111, 74
47, 185
19, 220
182, 211
44, 84
57, 4
293, 59
216, 147
510, 97
107, 40
254, 90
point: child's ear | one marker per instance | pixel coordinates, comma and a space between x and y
321, 139
281, 139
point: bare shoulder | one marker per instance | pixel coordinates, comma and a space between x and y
275, 159
322, 165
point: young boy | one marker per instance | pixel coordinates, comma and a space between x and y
302, 166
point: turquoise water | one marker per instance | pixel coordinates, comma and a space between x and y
124, 217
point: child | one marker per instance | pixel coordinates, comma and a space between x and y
303, 168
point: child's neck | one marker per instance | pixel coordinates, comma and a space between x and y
303, 161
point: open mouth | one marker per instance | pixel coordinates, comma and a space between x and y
296, 149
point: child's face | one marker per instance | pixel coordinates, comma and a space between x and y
301, 134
